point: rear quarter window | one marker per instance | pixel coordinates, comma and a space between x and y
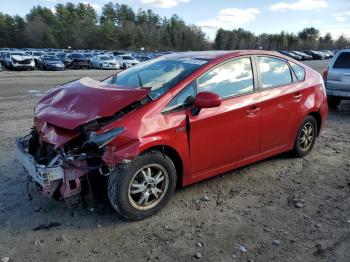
298, 70
274, 72
343, 60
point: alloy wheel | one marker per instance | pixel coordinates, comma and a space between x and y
148, 186
307, 136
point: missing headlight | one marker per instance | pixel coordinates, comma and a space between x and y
100, 140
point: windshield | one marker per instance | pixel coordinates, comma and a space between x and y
50, 58
126, 57
106, 58
160, 74
18, 54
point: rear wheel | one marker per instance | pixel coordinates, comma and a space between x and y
306, 137
143, 187
333, 101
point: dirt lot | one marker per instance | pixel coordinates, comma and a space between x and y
251, 214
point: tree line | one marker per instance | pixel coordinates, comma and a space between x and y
117, 27
308, 38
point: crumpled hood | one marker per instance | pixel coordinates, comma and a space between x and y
21, 57
81, 101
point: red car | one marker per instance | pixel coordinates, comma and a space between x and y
177, 119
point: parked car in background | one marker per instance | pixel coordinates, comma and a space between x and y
127, 61
292, 55
3, 57
142, 57
315, 55
36, 55
337, 78
104, 62
61, 56
50, 62
325, 54
77, 61
303, 55
177, 119
19, 61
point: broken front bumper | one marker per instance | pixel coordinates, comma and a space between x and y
41, 174
50, 178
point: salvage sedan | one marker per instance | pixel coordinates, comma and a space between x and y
177, 119
50, 62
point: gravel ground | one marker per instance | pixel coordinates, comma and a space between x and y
279, 209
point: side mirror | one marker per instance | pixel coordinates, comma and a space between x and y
207, 100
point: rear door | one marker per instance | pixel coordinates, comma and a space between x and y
339, 73
230, 132
282, 99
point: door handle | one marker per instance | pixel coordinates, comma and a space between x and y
297, 96
253, 110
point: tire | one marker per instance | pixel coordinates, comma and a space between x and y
333, 101
124, 66
303, 146
120, 183
101, 67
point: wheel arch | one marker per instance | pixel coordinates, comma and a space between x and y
174, 155
318, 119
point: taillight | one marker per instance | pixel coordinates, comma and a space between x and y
325, 74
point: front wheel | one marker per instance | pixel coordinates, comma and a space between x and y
306, 137
143, 187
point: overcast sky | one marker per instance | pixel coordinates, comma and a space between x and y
270, 16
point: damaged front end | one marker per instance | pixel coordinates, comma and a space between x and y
59, 172
67, 142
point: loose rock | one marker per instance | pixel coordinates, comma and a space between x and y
198, 255
298, 205
5, 259
276, 242
205, 198
199, 244
242, 248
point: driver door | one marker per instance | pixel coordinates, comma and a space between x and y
231, 132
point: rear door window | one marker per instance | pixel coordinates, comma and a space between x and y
273, 71
343, 60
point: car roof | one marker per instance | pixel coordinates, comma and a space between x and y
209, 55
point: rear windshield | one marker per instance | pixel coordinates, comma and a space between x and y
343, 60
